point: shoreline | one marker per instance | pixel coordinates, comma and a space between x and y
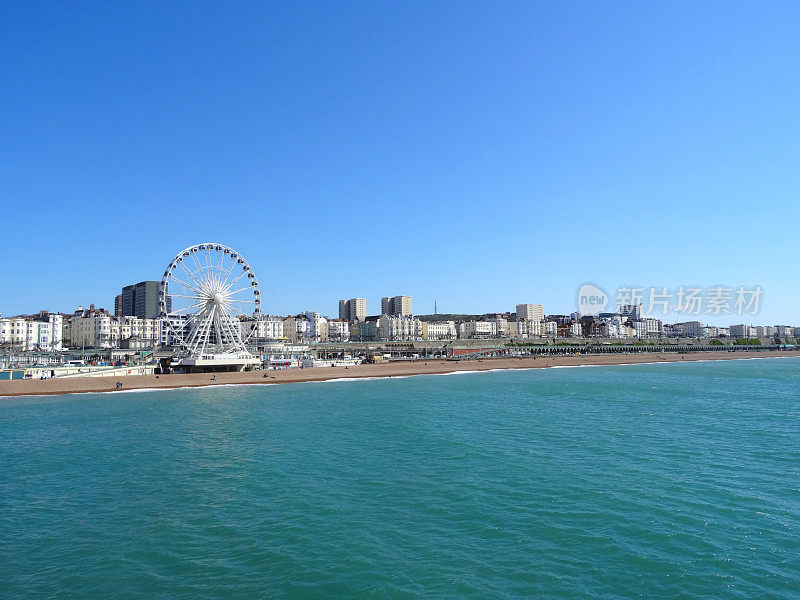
87, 385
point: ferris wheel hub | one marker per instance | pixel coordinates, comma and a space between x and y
218, 298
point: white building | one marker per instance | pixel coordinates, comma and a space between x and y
441, 330
530, 312
690, 329
307, 328
477, 329
91, 329
148, 331
317, 327
42, 332
550, 329
528, 329
502, 327
766, 331
648, 328
338, 330
258, 330
743, 331
396, 327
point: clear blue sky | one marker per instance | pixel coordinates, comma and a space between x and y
478, 154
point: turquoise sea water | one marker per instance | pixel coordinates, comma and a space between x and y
649, 481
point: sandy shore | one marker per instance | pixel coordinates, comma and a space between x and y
421, 367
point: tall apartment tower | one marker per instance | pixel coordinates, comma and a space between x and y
141, 300
397, 305
530, 312
353, 310
632, 311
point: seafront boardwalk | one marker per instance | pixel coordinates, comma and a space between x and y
400, 368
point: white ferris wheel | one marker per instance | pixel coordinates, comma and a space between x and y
206, 292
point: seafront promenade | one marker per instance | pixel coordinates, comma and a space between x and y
393, 369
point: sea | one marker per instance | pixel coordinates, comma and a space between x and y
673, 480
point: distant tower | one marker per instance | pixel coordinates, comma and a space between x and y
435, 309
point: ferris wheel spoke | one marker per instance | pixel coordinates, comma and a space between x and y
196, 260
229, 326
245, 301
234, 327
221, 264
228, 273
195, 325
181, 281
241, 290
180, 310
201, 273
198, 285
230, 285
212, 273
226, 321
244, 314
208, 323
183, 296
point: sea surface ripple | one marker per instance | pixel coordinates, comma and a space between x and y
647, 481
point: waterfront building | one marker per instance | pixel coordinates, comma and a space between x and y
306, 328
439, 330
743, 331
689, 329
648, 328
39, 332
366, 330
714, 332
397, 306
502, 329
338, 330
296, 328
397, 327
784, 331
91, 328
766, 331
353, 310
147, 330
528, 329
530, 312
559, 319
318, 327
477, 329
550, 329
261, 330
141, 300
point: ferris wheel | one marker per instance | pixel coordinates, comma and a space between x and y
206, 292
